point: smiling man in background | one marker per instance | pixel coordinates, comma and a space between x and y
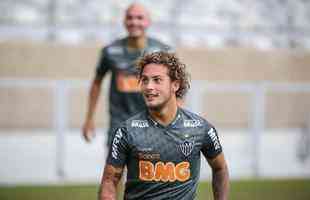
119, 58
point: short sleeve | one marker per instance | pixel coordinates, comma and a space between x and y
211, 144
119, 148
170, 49
167, 48
103, 63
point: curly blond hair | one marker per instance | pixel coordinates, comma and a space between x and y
176, 69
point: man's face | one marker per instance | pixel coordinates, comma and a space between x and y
136, 21
156, 86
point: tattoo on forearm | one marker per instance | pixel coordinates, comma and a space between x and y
112, 174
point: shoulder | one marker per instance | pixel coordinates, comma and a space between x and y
115, 47
155, 41
137, 121
157, 45
210, 135
191, 119
128, 130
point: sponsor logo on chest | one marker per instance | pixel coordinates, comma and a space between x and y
164, 172
148, 156
115, 50
139, 123
192, 123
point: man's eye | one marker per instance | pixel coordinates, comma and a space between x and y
144, 81
157, 80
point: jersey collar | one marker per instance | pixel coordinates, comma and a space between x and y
137, 51
172, 124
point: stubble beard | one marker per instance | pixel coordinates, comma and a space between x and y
160, 106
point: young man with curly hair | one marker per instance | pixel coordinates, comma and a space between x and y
161, 146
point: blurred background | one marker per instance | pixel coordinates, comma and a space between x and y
250, 68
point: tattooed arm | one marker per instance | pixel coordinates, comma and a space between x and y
220, 177
111, 177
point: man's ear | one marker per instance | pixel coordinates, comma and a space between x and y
148, 22
175, 86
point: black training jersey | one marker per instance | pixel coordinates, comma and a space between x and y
163, 162
125, 99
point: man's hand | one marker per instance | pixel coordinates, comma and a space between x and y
88, 130
89, 125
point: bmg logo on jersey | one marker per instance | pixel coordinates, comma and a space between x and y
161, 171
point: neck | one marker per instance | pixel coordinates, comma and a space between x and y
166, 114
136, 43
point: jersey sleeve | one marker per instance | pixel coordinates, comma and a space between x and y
103, 63
167, 48
211, 145
170, 49
119, 148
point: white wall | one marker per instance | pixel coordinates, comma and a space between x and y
30, 157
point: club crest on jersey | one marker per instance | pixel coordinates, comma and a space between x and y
192, 123
187, 147
139, 123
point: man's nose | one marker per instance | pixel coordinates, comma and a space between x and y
149, 85
134, 21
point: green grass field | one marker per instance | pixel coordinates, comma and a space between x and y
240, 190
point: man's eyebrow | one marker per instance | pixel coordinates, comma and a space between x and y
133, 15
155, 76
